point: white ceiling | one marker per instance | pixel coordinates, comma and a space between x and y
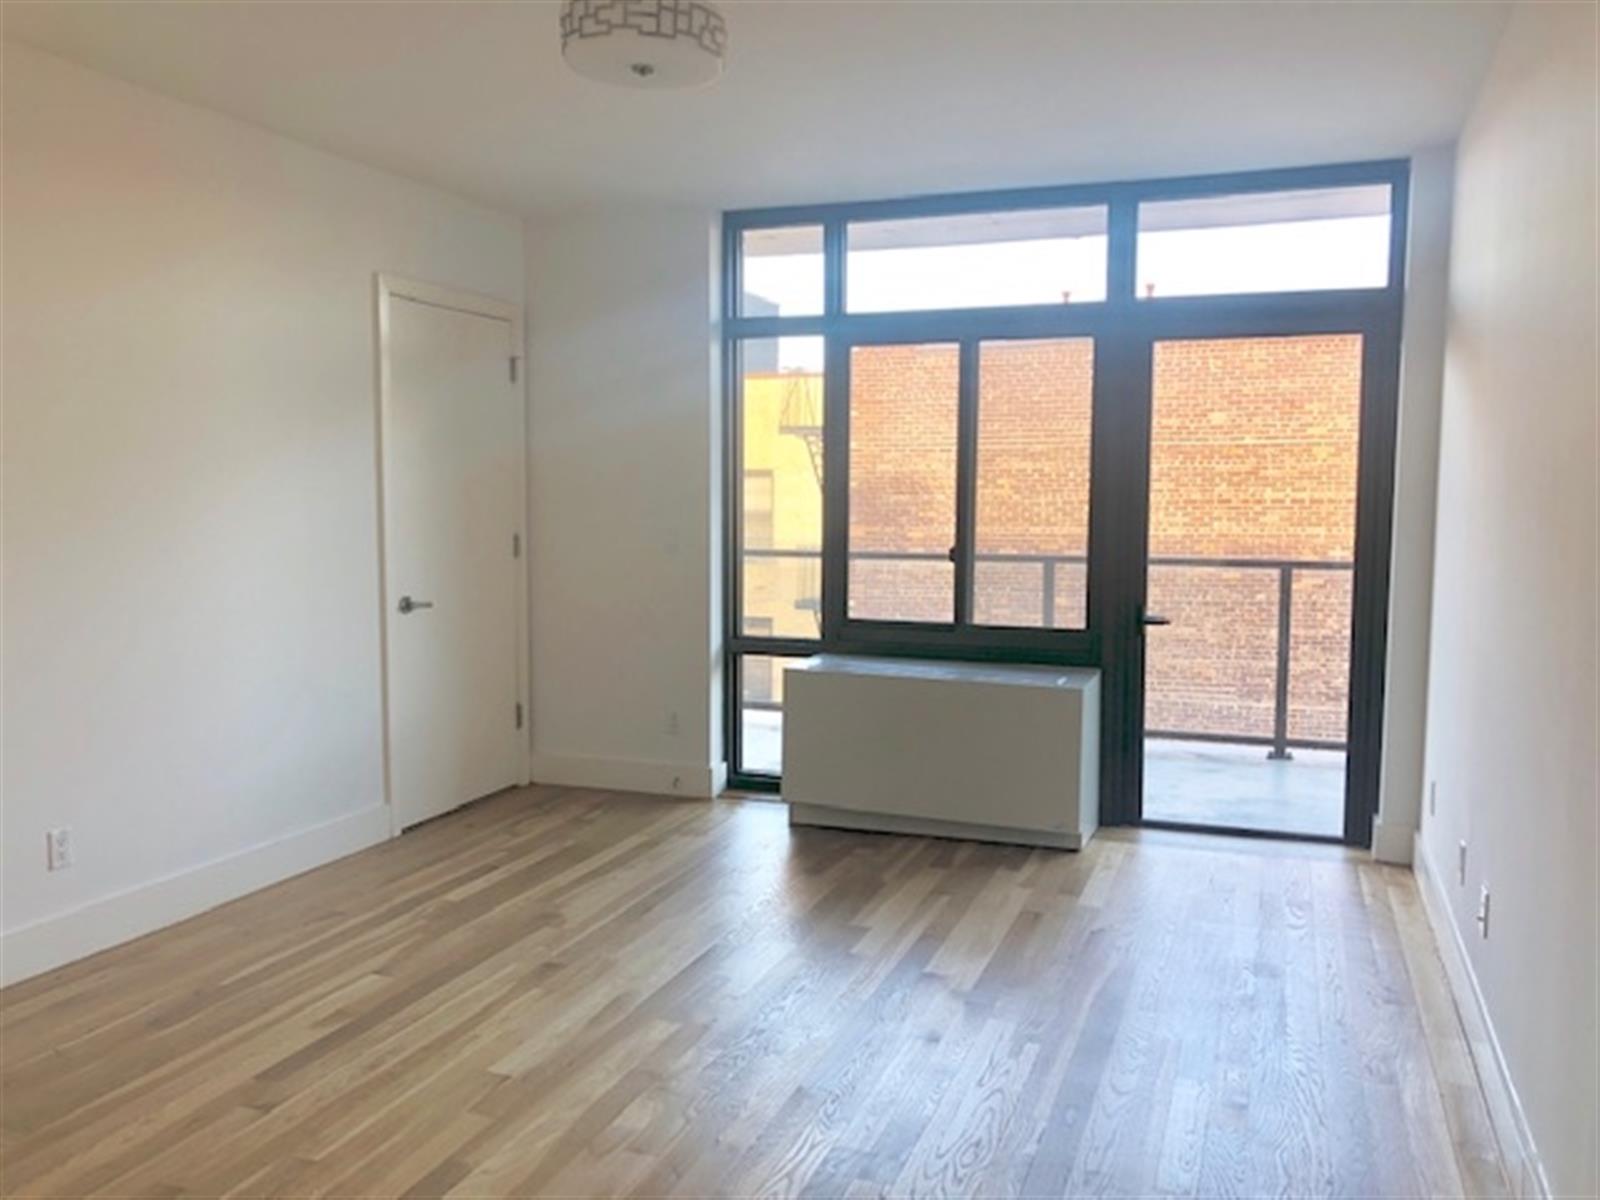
820, 101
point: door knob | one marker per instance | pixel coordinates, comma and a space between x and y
1150, 618
407, 604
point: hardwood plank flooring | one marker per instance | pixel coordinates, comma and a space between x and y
558, 992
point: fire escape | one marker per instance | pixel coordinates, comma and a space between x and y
801, 416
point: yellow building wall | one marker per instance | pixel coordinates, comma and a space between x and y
782, 412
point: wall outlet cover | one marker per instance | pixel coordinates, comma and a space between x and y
58, 848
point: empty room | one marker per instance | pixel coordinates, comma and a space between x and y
830, 598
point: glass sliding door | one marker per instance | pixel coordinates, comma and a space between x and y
1254, 455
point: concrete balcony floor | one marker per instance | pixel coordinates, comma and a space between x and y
1220, 783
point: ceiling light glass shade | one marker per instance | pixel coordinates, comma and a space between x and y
644, 43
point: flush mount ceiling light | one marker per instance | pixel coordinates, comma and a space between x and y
644, 43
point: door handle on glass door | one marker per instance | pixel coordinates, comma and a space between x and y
407, 604
1153, 619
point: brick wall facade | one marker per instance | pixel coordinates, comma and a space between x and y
1254, 447
1253, 456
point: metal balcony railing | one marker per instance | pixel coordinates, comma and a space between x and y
1280, 742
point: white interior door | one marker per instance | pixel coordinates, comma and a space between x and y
453, 470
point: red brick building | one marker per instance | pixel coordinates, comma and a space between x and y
1254, 452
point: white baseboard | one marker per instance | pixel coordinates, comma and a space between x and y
824, 816
100, 924
1518, 1151
628, 775
1393, 843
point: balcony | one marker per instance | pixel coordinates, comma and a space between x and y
1245, 690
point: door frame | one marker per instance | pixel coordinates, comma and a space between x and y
1122, 685
387, 288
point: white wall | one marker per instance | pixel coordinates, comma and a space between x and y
1405, 707
1512, 700
191, 667
626, 496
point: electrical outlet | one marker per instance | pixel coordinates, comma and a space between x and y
1433, 798
1461, 864
677, 782
672, 723
1483, 911
58, 848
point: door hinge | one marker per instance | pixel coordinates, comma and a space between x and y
516, 545
519, 714
513, 368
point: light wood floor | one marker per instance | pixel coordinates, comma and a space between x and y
557, 992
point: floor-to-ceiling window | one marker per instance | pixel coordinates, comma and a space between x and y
1142, 427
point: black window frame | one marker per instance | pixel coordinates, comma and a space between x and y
1124, 328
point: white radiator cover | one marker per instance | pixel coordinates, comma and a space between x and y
991, 753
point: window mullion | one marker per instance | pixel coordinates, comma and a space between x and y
966, 480
1122, 229
835, 437
833, 267
835, 485
733, 365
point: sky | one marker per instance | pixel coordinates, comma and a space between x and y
1343, 252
